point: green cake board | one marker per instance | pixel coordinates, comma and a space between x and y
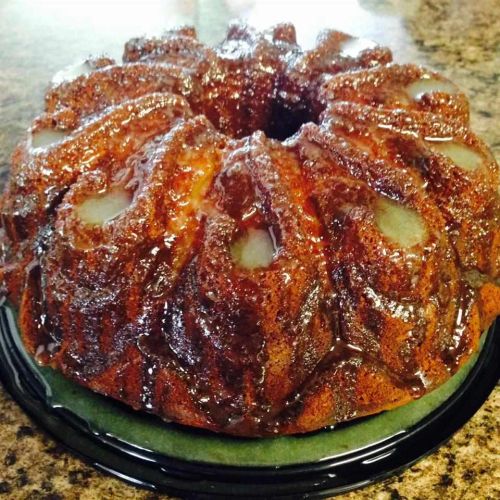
106, 417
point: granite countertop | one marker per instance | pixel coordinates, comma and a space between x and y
457, 37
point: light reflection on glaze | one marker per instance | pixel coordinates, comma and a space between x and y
405, 312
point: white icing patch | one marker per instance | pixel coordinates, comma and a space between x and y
460, 154
423, 86
400, 224
353, 46
254, 249
102, 208
46, 137
71, 72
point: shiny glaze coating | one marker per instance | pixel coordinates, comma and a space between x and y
385, 244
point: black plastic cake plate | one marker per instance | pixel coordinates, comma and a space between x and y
197, 477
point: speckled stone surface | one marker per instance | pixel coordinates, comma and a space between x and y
457, 37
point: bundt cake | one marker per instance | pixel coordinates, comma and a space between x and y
253, 239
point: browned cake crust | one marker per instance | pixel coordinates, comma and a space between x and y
296, 238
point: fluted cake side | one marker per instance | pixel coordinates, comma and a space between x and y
253, 239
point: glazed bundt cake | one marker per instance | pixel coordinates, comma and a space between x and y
253, 239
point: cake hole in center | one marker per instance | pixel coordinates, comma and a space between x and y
286, 120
